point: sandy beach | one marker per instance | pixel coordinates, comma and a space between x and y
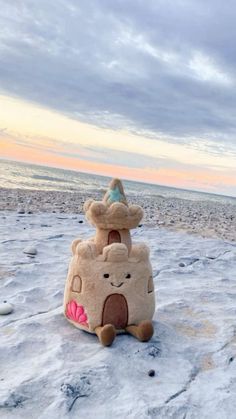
50, 369
207, 218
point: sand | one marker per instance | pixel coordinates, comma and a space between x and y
207, 218
49, 369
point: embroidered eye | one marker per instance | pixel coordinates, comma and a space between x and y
128, 276
106, 275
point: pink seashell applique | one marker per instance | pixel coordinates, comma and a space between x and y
82, 318
76, 313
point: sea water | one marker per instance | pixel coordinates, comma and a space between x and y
29, 176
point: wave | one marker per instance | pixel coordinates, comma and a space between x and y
51, 178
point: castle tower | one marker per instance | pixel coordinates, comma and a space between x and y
113, 217
109, 288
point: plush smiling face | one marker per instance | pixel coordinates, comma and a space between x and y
129, 275
92, 279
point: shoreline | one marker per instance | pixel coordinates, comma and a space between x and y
205, 218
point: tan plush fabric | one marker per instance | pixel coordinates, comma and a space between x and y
104, 237
116, 216
109, 284
95, 286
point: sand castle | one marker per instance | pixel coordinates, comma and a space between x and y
109, 287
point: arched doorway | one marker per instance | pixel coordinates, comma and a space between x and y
114, 237
115, 311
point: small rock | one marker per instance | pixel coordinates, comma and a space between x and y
151, 373
80, 221
182, 264
30, 251
21, 211
5, 308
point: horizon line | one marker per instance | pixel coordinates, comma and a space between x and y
124, 179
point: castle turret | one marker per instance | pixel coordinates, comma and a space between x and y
113, 217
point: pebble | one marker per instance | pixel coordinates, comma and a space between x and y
80, 221
182, 264
187, 214
151, 373
30, 251
5, 308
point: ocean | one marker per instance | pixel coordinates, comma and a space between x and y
29, 176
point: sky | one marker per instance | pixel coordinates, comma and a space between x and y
143, 90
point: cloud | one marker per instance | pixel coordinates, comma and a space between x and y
160, 69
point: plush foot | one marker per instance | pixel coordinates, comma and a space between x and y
106, 334
143, 331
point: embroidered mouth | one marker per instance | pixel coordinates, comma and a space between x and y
117, 286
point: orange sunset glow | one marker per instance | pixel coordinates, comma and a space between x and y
27, 139
178, 178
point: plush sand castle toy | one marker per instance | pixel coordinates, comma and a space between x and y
109, 287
